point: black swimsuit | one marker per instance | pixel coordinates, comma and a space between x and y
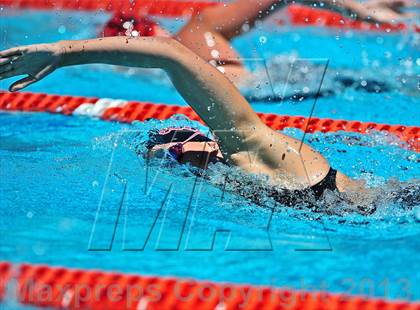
295, 197
329, 182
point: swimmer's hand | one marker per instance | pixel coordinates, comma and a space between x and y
382, 11
35, 61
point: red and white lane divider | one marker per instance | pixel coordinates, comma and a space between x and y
129, 111
295, 14
63, 288
300, 15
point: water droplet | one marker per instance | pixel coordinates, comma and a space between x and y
245, 27
62, 29
38, 249
215, 54
127, 25
296, 37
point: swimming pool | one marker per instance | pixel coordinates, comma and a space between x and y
54, 169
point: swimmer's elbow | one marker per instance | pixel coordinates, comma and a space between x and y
179, 53
151, 52
173, 53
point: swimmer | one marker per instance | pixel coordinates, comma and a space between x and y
243, 140
209, 33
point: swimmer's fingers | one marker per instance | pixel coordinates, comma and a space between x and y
30, 79
410, 15
385, 15
402, 17
22, 83
12, 66
5, 61
5, 66
10, 69
8, 72
392, 3
392, 10
398, 4
16, 51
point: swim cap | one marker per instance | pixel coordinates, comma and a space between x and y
130, 25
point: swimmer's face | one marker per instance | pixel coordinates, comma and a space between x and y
197, 154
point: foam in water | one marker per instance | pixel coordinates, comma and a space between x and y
385, 195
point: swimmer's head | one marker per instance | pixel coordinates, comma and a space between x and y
185, 145
132, 26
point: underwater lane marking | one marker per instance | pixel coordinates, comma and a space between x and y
314, 104
216, 230
92, 233
165, 200
329, 248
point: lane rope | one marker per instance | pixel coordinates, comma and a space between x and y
296, 15
63, 288
129, 111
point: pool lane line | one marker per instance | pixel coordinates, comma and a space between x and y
296, 15
129, 111
64, 288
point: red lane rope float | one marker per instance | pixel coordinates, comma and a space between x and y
129, 111
62, 288
5, 275
165, 8
297, 14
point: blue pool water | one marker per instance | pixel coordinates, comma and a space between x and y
63, 178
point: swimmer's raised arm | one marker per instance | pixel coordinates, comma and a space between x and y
245, 140
229, 19
208, 33
213, 97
